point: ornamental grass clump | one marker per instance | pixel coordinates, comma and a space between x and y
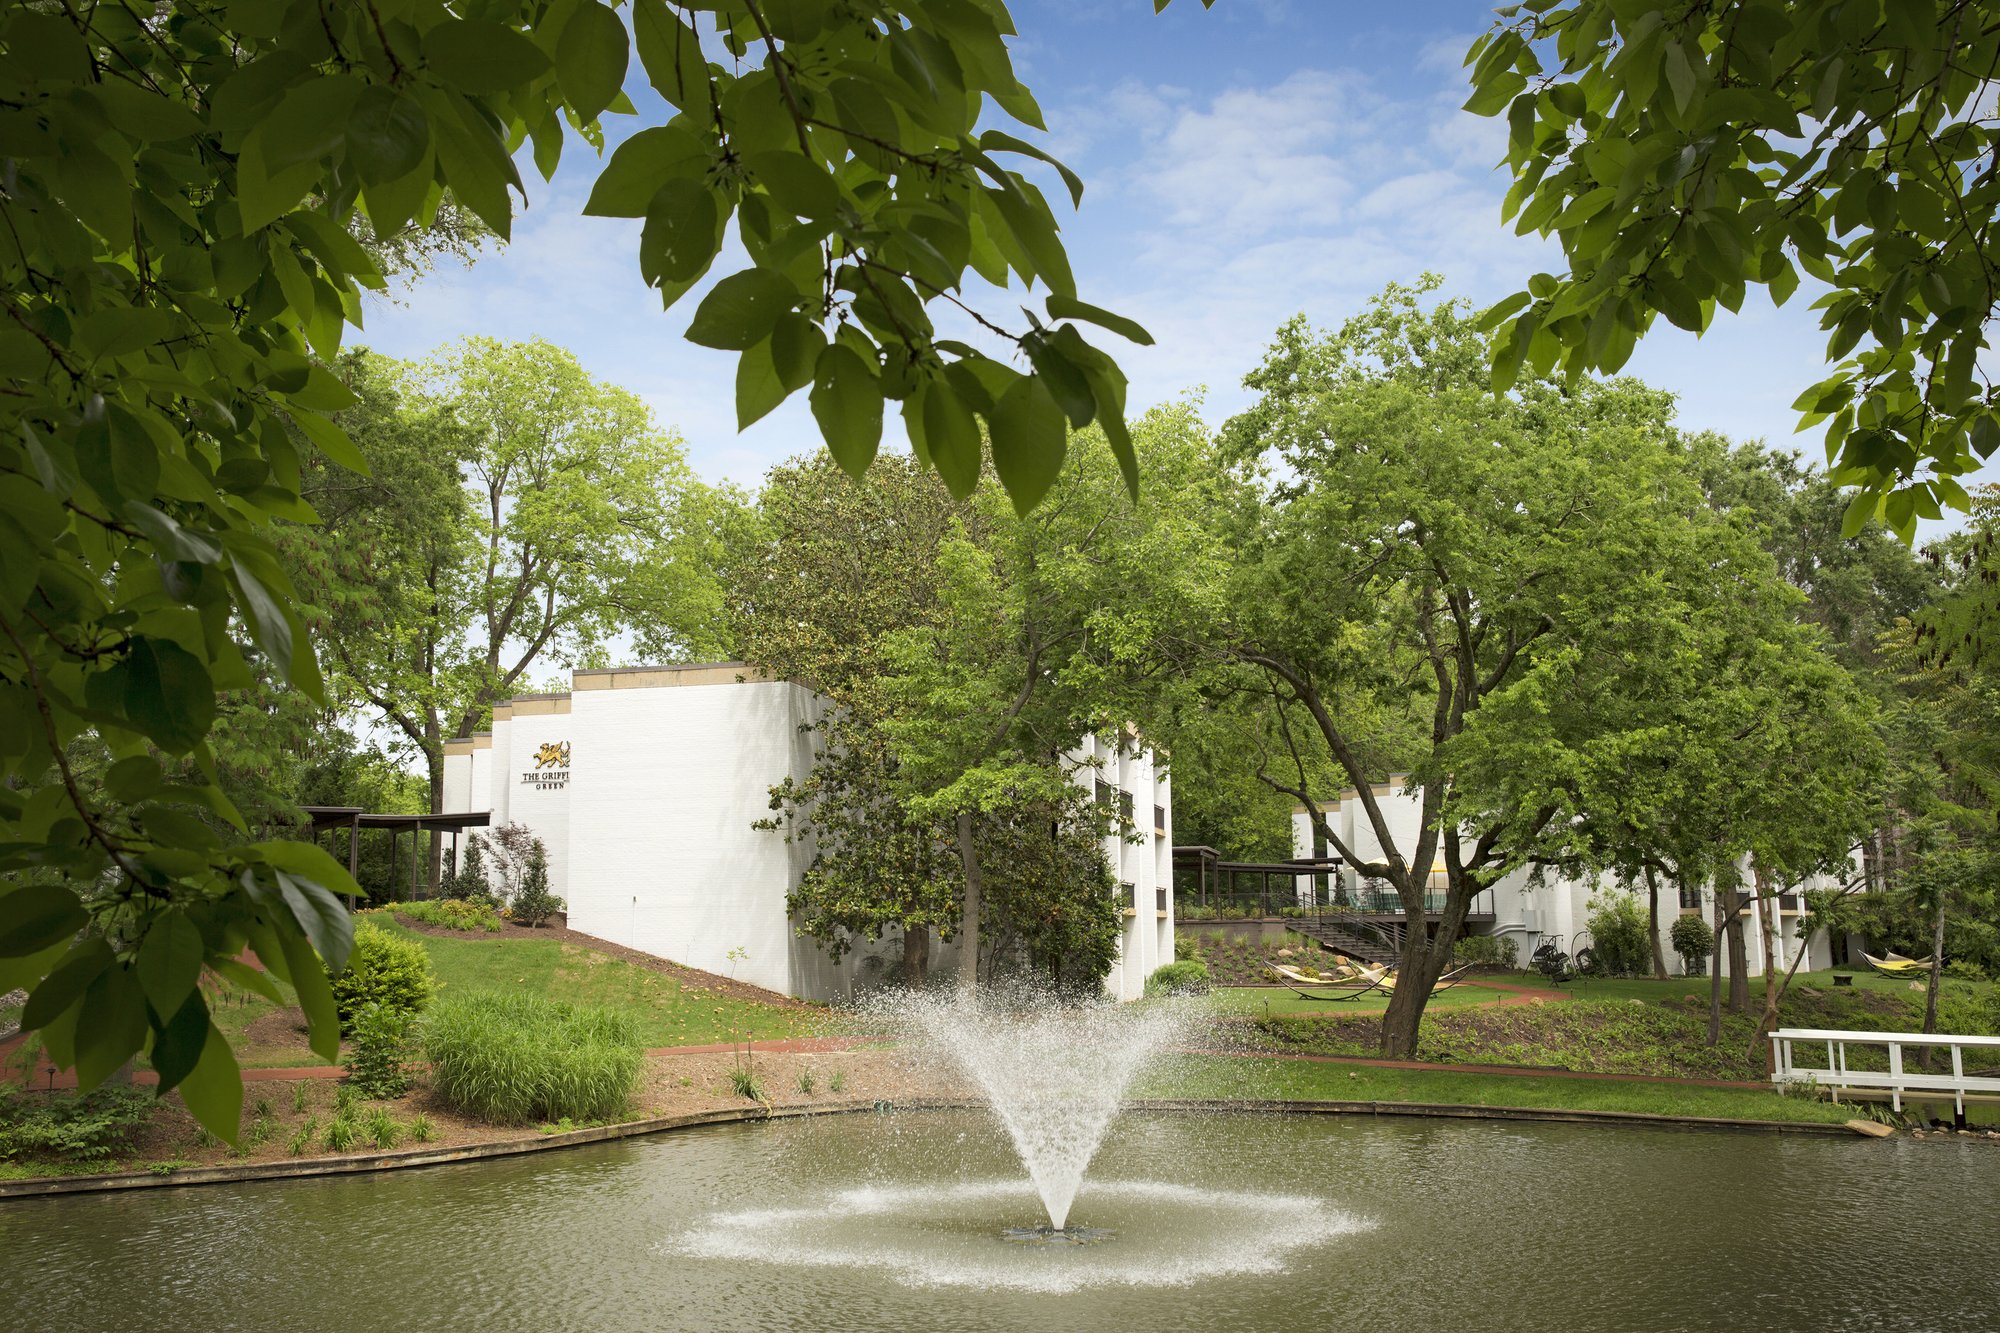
514, 1059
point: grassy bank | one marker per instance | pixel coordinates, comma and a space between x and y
667, 1009
1260, 1001
1298, 1080
1629, 1027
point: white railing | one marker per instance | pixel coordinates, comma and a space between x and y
1897, 1081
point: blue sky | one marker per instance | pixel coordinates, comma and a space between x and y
1243, 164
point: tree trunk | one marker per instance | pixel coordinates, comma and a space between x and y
916, 956
1715, 977
968, 935
1769, 935
1417, 969
1739, 954
1653, 924
434, 761
1937, 964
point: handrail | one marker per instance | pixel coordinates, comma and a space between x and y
1896, 1080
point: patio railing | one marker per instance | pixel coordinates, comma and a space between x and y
1839, 1074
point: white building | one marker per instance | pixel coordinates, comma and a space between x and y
1558, 907
644, 784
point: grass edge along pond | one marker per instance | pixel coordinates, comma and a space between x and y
1278, 1078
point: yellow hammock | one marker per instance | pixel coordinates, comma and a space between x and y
1896, 965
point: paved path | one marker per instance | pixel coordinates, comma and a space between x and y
63, 1079
47, 1076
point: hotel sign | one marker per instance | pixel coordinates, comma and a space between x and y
551, 770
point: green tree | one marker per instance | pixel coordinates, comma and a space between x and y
1056, 625
180, 260
835, 568
1455, 584
520, 515
1683, 153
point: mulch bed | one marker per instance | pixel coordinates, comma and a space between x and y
671, 1084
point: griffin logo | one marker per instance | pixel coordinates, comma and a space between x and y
552, 755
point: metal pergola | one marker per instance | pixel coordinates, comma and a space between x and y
326, 818
1215, 879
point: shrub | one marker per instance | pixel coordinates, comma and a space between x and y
83, 1129
533, 903
514, 1058
1618, 935
471, 883
452, 914
386, 969
1693, 939
1965, 970
1485, 951
377, 1047
1186, 949
1188, 977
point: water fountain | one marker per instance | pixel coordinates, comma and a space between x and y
1054, 1074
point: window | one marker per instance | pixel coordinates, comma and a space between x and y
1159, 819
1103, 792
1690, 899
1125, 805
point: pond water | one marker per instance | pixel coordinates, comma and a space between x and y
1213, 1221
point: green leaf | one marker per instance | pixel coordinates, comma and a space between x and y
1860, 509
269, 623
801, 188
170, 961
65, 983
212, 1091
1027, 218
315, 996
1066, 381
387, 135
951, 434
249, 978
1000, 140
310, 122
679, 240
168, 694
177, 1047
482, 56
671, 53
1029, 442
1068, 307
38, 915
332, 441
110, 1027
742, 309
262, 195
591, 56
795, 347
847, 403
641, 166
758, 388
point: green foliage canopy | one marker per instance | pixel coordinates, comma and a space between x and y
1683, 153
180, 261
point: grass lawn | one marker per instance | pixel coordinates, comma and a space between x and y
1257, 1001
1645, 988
667, 1013
1297, 1080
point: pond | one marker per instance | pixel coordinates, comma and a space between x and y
1195, 1221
